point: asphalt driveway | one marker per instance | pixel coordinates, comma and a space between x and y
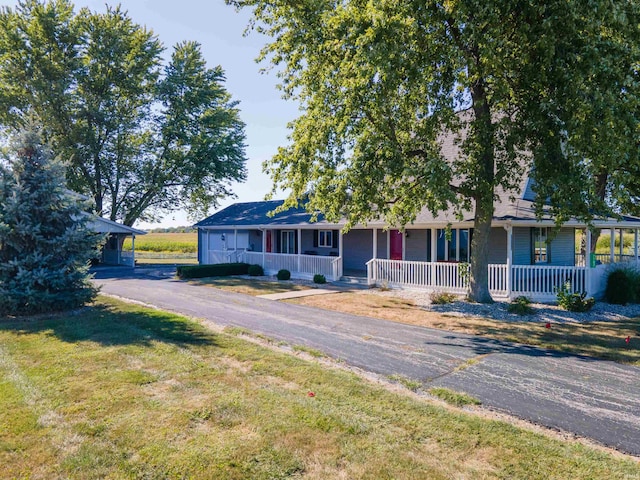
590, 398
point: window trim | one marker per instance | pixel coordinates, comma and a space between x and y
328, 235
536, 232
293, 244
455, 237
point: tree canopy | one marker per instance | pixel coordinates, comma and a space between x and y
143, 136
548, 88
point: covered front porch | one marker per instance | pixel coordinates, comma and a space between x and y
305, 252
535, 262
529, 259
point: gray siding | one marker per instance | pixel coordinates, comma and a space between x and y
415, 247
213, 239
307, 242
521, 245
255, 240
498, 245
563, 247
357, 249
382, 244
200, 245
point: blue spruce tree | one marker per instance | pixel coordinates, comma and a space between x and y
45, 246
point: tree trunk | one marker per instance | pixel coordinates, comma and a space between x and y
484, 137
479, 281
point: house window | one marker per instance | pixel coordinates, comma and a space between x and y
540, 245
454, 250
288, 244
325, 238
463, 253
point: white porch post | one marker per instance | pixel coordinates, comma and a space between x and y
299, 246
205, 253
264, 246
509, 258
434, 257
404, 243
133, 249
235, 242
612, 236
434, 244
340, 251
118, 250
587, 262
621, 246
375, 243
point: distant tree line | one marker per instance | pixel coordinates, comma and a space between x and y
173, 230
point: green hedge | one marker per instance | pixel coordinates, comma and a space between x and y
217, 270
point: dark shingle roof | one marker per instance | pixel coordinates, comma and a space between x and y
256, 213
520, 209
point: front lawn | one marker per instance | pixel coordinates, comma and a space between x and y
120, 391
599, 339
250, 286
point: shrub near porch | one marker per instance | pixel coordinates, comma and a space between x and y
120, 391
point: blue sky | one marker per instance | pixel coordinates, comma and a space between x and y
219, 29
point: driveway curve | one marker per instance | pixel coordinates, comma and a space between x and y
591, 398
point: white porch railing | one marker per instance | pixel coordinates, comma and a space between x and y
305, 266
530, 280
537, 280
220, 256
448, 276
115, 257
605, 258
498, 281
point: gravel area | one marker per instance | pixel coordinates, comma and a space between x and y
498, 310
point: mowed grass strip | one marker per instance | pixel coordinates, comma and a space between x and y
599, 339
250, 286
120, 391
165, 243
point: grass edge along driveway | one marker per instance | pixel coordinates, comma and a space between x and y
117, 390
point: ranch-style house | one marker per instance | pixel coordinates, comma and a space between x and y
527, 256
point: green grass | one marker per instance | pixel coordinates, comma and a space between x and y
452, 397
165, 242
120, 391
406, 382
249, 286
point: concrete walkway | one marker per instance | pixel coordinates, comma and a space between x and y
299, 293
590, 398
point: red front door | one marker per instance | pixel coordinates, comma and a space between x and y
395, 245
268, 241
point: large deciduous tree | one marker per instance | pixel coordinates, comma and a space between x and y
143, 136
519, 85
